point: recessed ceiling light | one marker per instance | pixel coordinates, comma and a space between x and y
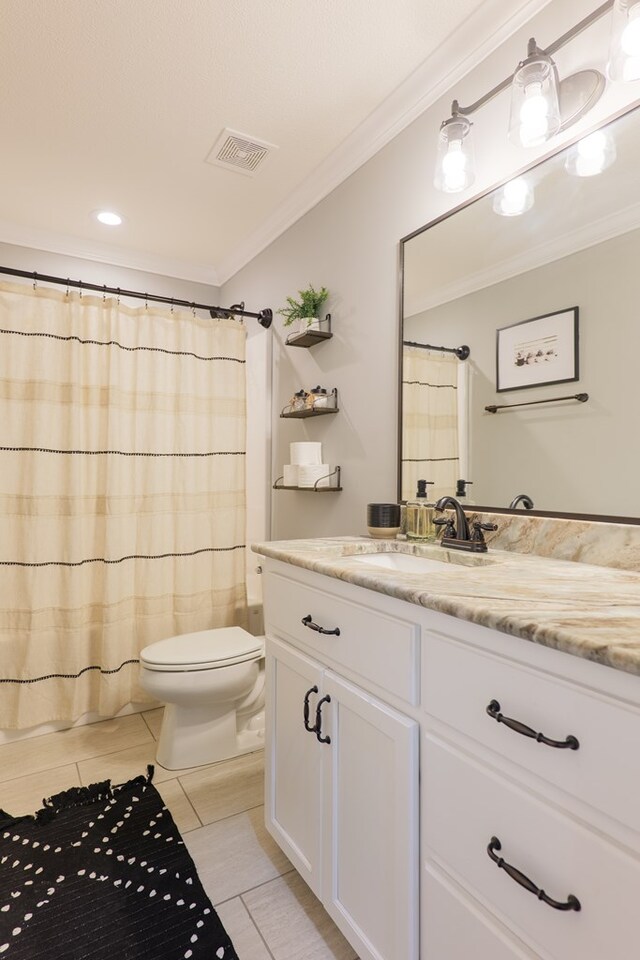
108, 217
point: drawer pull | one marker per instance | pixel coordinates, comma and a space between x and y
308, 622
571, 903
307, 727
570, 742
318, 728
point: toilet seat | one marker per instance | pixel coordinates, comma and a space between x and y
204, 650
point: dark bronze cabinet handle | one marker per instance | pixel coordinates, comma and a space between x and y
571, 903
308, 622
307, 727
570, 742
318, 728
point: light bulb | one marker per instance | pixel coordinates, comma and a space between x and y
534, 115
630, 39
454, 165
515, 198
591, 155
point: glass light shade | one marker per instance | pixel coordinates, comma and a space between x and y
591, 155
514, 199
455, 163
624, 45
535, 108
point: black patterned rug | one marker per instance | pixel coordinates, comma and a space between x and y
101, 873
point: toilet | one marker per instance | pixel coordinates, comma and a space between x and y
212, 685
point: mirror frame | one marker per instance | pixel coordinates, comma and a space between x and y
481, 508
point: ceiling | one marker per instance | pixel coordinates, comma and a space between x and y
116, 104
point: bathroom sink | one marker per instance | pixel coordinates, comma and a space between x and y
410, 563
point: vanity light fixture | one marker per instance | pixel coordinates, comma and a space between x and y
535, 103
542, 104
514, 198
591, 155
624, 47
455, 165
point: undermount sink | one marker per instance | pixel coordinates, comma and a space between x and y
410, 563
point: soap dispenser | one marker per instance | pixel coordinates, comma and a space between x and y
462, 494
420, 515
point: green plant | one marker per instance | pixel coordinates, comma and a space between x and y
308, 306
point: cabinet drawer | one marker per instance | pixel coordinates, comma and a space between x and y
371, 645
459, 684
453, 927
555, 852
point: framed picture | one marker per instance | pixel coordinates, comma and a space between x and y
538, 351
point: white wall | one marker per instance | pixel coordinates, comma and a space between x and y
349, 243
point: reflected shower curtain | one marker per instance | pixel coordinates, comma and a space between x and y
434, 421
122, 503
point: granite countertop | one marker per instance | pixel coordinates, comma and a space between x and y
586, 610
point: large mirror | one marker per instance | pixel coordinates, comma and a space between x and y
479, 271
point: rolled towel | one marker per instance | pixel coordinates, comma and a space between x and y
305, 453
290, 478
310, 474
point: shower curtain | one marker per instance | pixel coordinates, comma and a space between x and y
122, 494
434, 421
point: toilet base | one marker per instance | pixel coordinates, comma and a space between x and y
195, 737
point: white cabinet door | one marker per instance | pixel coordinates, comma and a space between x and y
293, 781
370, 829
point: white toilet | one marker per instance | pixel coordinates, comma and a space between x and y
212, 685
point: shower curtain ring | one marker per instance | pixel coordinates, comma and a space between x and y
146, 301
172, 303
80, 288
193, 309
67, 292
104, 292
118, 296
35, 280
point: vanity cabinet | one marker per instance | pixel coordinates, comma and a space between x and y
342, 780
529, 779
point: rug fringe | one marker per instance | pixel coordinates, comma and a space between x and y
79, 797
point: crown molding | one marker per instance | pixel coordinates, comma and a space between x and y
471, 43
100, 252
606, 228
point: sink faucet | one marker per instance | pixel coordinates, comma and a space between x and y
458, 536
461, 530
524, 499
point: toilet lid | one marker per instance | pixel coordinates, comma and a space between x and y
206, 649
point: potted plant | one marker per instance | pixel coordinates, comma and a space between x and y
306, 310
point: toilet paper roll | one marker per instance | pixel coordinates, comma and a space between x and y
290, 478
305, 453
309, 474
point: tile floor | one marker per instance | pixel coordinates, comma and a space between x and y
267, 909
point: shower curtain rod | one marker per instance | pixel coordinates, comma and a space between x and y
461, 352
264, 317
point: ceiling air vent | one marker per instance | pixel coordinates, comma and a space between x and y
238, 152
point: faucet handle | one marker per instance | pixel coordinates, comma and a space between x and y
447, 523
478, 535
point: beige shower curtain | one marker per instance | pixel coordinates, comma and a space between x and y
122, 504
434, 400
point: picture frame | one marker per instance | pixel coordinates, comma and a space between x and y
539, 351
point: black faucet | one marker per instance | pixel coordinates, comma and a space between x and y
458, 536
461, 529
524, 499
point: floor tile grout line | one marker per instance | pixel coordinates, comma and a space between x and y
228, 816
258, 930
143, 715
257, 887
188, 799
